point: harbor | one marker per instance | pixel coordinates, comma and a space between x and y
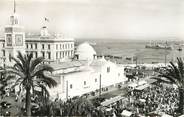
91, 58
124, 51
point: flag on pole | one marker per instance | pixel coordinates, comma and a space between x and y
46, 19
14, 9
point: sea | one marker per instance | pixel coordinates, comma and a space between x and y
128, 49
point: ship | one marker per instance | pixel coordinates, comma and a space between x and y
179, 48
159, 46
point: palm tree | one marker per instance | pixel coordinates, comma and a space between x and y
29, 73
174, 74
3, 82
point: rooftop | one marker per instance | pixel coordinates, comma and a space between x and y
69, 64
51, 37
85, 48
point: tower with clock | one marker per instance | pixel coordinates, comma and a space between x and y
14, 37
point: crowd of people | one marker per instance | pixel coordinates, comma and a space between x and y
158, 98
154, 99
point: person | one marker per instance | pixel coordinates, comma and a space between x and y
16, 98
7, 113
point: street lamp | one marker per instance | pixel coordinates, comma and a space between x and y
67, 89
100, 86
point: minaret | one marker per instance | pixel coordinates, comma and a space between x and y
14, 8
44, 30
14, 37
14, 17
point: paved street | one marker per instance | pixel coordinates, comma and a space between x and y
115, 91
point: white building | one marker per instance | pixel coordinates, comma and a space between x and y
85, 52
51, 47
75, 77
83, 76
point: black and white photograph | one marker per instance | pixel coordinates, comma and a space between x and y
92, 58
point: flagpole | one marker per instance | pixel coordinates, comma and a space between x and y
14, 9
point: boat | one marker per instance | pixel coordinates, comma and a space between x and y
179, 48
130, 58
159, 46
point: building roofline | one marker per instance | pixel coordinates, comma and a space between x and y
47, 40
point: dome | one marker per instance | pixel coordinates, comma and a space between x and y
85, 48
85, 52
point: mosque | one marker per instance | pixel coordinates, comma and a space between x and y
77, 72
86, 73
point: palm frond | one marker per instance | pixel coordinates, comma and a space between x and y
174, 73
28, 61
162, 80
15, 72
36, 62
21, 58
40, 68
17, 63
181, 68
17, 82
49, 81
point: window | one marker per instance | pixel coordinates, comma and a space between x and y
56, 46
63, 54
77, 57
35, 45
84, 82
36, 54
27, 46
56, 55
3, 45
31, 46
108, 69
60, 54
60, 46
71, 86
3, 52
43, 54
95, 80
72, 53
49, 47
9, 57
43, 46
49, 57
68, 53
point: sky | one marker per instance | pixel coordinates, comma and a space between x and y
105, 19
